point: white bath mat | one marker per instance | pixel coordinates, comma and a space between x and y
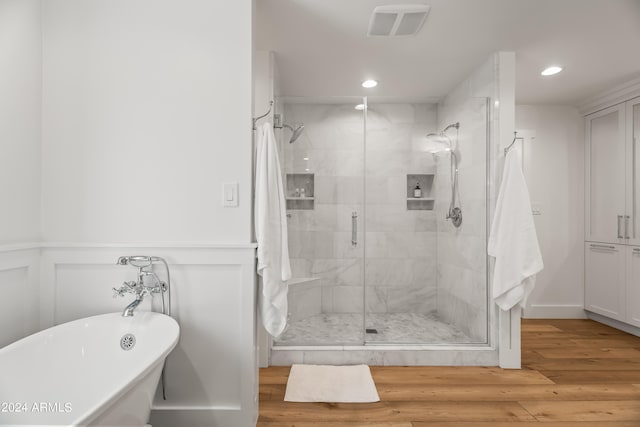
320, 383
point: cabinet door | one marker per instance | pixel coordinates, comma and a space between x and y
632, 227
633, 285
605, 175
604, 291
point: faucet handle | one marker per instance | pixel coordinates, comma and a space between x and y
127, 287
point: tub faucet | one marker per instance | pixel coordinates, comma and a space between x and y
131, 288
147, 283
128, 310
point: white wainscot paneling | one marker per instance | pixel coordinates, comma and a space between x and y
19, 290
212, 373
208, 308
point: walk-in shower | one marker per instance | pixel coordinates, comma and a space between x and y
412, 279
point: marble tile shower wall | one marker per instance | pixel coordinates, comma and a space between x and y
399, 270
461, 252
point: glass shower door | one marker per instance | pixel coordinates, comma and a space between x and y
425, 279
323, 175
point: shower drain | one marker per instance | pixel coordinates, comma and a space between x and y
127, 342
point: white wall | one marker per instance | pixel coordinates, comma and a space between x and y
146, 111
146, 108
554, 169
20, 89
20, 86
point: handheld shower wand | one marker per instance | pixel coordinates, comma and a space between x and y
443, 143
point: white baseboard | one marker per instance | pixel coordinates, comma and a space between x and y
539, 311
630, 329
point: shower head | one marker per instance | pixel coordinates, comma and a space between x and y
439, 142
296, 132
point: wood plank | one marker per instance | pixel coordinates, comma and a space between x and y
553, 335
395, 411
539, 327
541, 343
479, 393
448, 424
589, 353
585, 411
330, 424
571, 324
272, 391
526, 424
593, 377
274, 375
505, 393
455, 375
583, 364
619, 342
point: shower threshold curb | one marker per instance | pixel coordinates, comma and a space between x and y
385, 347
386, 355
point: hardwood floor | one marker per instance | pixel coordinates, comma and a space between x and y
575, 373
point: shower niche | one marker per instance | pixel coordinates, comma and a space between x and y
300, 191
425, 200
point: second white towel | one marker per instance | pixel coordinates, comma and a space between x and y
271, 233
513, 240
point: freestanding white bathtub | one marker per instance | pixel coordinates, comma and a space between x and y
78, 373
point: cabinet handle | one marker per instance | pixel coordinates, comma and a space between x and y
634, 180
613, 248
626, 227
636, 249
354, 228
620, 227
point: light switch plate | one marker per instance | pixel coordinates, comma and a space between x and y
230, 194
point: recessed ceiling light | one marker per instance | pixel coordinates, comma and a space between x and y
359, 107
369, 84
550, 71
305, 158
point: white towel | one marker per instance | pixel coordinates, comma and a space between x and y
271, 233
513, 240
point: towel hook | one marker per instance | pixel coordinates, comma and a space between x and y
255, 119
515, 137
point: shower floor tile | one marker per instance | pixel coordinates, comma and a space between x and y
392, 328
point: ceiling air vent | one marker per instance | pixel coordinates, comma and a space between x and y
397, 20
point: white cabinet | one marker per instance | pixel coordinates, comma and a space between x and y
612, 232
633, 285
612, 176
605, 280
633, 170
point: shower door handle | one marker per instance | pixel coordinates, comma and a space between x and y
354, 228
